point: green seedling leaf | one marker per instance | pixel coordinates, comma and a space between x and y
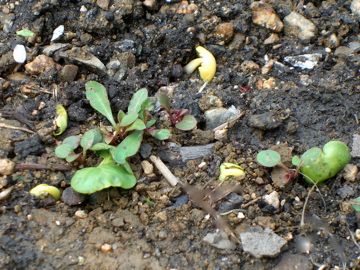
43, 190
356, 204
128, 147
164, 101
93, 179
25, 33
320, 165
160, 134
150, 123
296, 161
101, 147
148, 105
137, 100
61, 120
67, 147
230, 169
268, 158
311, 155
120, 115
63, 150
72, 157
128, 119
97, 95
187, 123
90, 137
127, 167
137, 125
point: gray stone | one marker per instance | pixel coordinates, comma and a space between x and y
304, 61
355, 149
355, 7
262, 242
51, 49
68, 73
82, 57
230, 202
345, 192
218, 116
219, 240
265, 121
71, 197
298, 26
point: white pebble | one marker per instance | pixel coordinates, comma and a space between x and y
58, 32
240, 215
272, 199
19, 54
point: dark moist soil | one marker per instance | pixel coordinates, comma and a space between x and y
155, 226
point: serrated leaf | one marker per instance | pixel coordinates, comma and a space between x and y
268, 158
160, 134
101, 146
164, 101
128, 119
187, 123
137, 125
137, 100
25, 33
93, 179
128, 147
61, 120
310, 156
150, 123
90, 137
356, 204
97, 95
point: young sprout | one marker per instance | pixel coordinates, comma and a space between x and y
61, 120
43, 190
206, 65
230, 169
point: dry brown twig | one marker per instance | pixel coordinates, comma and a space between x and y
3, 125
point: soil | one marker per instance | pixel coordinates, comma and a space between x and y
154, 225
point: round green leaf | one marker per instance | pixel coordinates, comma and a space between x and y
268, 158
93, 179
356, 204
296, 160
72, 141
187, 123
161, 134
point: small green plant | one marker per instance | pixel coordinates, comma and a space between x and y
317, 165
178, 117
114, 146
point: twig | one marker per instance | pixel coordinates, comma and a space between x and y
164, 170
353, 237
3, 125
250, 203
36, 166
202, 87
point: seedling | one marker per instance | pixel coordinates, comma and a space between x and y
114, 146
25, 33
61, 120
230, 169
315, 164
44, 190
178, 117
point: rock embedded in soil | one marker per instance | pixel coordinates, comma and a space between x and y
265, 121
6, 166
41, 64
30, 146
218, 116
262, 242
300, 27
71, 197
345, 192
224, 32
264, 15
272, 199
52, 48
82, 57
68, 73
219, 240
350, 172
355, 148
304, 61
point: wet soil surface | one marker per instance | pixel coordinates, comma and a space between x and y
263, 69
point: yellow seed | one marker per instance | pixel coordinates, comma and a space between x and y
208, 66
43, 190
230, 169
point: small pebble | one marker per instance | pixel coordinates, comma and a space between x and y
106, 248
272, 199
357, 234
147, 167
81, 214
240, 215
